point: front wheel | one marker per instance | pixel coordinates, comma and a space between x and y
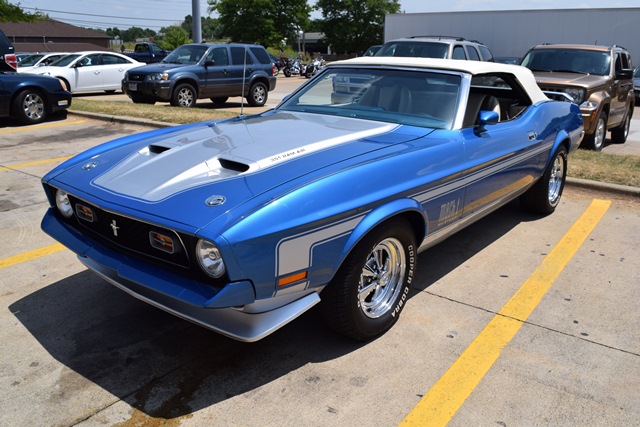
184, 95
371, 288
257, 94
595, 141
29, 107
287, 72
544, 196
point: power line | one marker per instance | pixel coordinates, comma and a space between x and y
98, 16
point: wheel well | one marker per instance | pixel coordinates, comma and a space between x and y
190, 81
416, 221
261, 80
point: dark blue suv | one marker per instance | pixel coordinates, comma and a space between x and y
201, 70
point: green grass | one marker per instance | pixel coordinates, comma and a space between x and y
609, 168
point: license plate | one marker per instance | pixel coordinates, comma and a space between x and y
133, 86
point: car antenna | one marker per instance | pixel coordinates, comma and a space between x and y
244, 77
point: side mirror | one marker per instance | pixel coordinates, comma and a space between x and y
486, 117
209, 63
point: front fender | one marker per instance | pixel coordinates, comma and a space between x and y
406, 207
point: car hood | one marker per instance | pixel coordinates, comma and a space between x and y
236, 159
159, 67
47, 69
569, 79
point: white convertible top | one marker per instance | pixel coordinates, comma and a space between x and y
523, 74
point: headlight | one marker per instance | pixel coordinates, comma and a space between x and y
210, 259
62, 83
63, 204
158, 76
576, 93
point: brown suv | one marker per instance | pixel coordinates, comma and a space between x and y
597, 78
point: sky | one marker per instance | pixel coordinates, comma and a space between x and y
155, 14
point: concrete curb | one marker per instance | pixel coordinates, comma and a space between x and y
575, 182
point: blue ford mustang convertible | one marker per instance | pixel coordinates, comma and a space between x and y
229, 225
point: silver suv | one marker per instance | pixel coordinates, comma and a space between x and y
445, 47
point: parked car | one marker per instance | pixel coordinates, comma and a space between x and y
598, 78
201, 70
89, 71
147, 52
31, 99
8, 59
231, 226
507, 59
437, 47
38, 60
372, 50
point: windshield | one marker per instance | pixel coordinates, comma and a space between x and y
425, 99
568, 61
30, 60
65, 60
414, 49
187, 54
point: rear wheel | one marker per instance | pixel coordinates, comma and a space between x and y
370, 289
184, 95
595, 141
29, 107
287, 72
619, 135
544, 196
257, 94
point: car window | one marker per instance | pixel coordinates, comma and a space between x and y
90, 60
261, 55
458, 52
495, 92
414, 49
186, 54
239, 55
580, 61
219, 56
113, 59
417, 98
30, 60
156, 50
473, 53
486, 53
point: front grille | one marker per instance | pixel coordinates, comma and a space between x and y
128, 233
136, 77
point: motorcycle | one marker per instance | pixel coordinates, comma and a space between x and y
314, 66
293, 67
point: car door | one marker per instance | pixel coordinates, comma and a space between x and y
241, 68
620, 90
87, 74
505, 157
217, 79
113, 69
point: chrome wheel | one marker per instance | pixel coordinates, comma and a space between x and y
556, 180
600, 134
185, 97
33, 107
382, 278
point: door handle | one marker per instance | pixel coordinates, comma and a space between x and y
532, 135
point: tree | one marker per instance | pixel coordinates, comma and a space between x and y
211, 28
173, 37
354, 25
266, 22
14, 13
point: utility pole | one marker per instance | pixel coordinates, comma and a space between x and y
196, 24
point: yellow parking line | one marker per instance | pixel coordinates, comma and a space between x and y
45, 126
28, 256
443, 400
37, 162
